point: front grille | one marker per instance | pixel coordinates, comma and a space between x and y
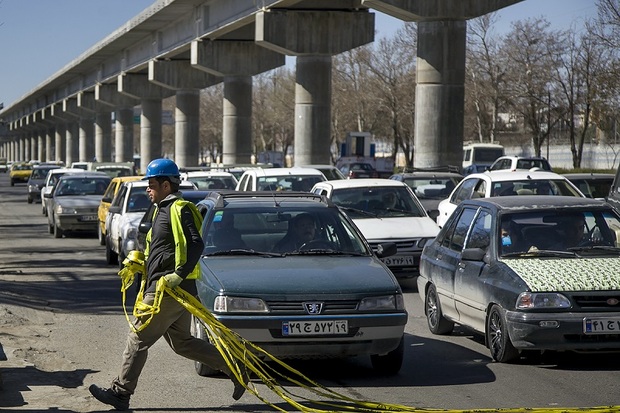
598, 301
297, 307
401, 245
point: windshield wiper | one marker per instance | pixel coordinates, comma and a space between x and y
359, 211
602, 248
322, 251
405, 212
240, 251
541, 253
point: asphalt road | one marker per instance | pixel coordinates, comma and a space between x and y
62, 328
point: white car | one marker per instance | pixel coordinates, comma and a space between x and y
206, 180
50, 179
505, 183
125, 212
512, 163
385, 210
280, 179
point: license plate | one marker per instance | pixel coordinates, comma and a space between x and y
314, 328
601, 325
88, 218
402, 261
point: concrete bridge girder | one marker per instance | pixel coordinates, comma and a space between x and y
433, 10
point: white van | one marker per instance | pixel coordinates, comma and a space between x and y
478, 156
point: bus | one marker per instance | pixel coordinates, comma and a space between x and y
479, 156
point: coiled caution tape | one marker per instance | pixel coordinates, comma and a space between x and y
254, 360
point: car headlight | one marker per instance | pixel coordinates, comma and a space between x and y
64, 210
386, 302
225, 304
529, 300
130, 232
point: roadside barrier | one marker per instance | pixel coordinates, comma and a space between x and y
235, 349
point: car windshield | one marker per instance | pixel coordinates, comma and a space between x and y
288, 182
534, 187
138, 200
272, 231
81, 186
387, 201
581, 231
432, 188
39, 173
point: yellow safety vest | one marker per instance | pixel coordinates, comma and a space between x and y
180, 247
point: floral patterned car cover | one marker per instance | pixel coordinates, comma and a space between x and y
573, 274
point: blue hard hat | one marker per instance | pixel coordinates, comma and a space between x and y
162, 167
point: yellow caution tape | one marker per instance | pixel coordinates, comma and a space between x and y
235, 349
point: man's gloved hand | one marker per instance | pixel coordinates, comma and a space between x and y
172, 280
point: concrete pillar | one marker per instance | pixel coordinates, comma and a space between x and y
41, 146
237, 125
186, 127
313, 36
103, 136
60, 145
313, 110
71, 142
440, 93
123, 135
150, 132
187, 81
21, 156
86, 139
49, 146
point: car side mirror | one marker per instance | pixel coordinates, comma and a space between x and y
106, 199
115, 209
47, 195
144, 227
473, 254
386, 249
433, 214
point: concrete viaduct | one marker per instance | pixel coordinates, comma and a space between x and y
178, 47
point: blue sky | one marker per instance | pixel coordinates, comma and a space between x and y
39, 37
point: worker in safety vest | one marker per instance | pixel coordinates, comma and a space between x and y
173, 248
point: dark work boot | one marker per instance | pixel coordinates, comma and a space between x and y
240, 387
109, 396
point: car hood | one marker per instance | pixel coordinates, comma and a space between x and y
568, 274
132, 218
303, 275
79, 201
397, 228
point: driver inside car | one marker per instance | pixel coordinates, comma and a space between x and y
301, 230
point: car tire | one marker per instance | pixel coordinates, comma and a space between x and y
497, 337
390, 363
29, 199
12, 183
50, 228
437, 323
198, 331
100, 235
57, 231
110, 256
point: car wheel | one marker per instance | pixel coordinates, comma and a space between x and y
57, 231
198, 331
29, 199
110, 256
391, 362
497, 338
12, 183
50, 228
100, 235
121, 256
44, 210
437, 323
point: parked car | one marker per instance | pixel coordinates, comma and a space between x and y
207, 180
385, 210
73, 202
279, 179
330, 171
513, 163
106, 200
20, 172
37, 180
430, 186
126, 210
331, 298
593, 185
51, 178
357, 170
527, 272
504, 183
